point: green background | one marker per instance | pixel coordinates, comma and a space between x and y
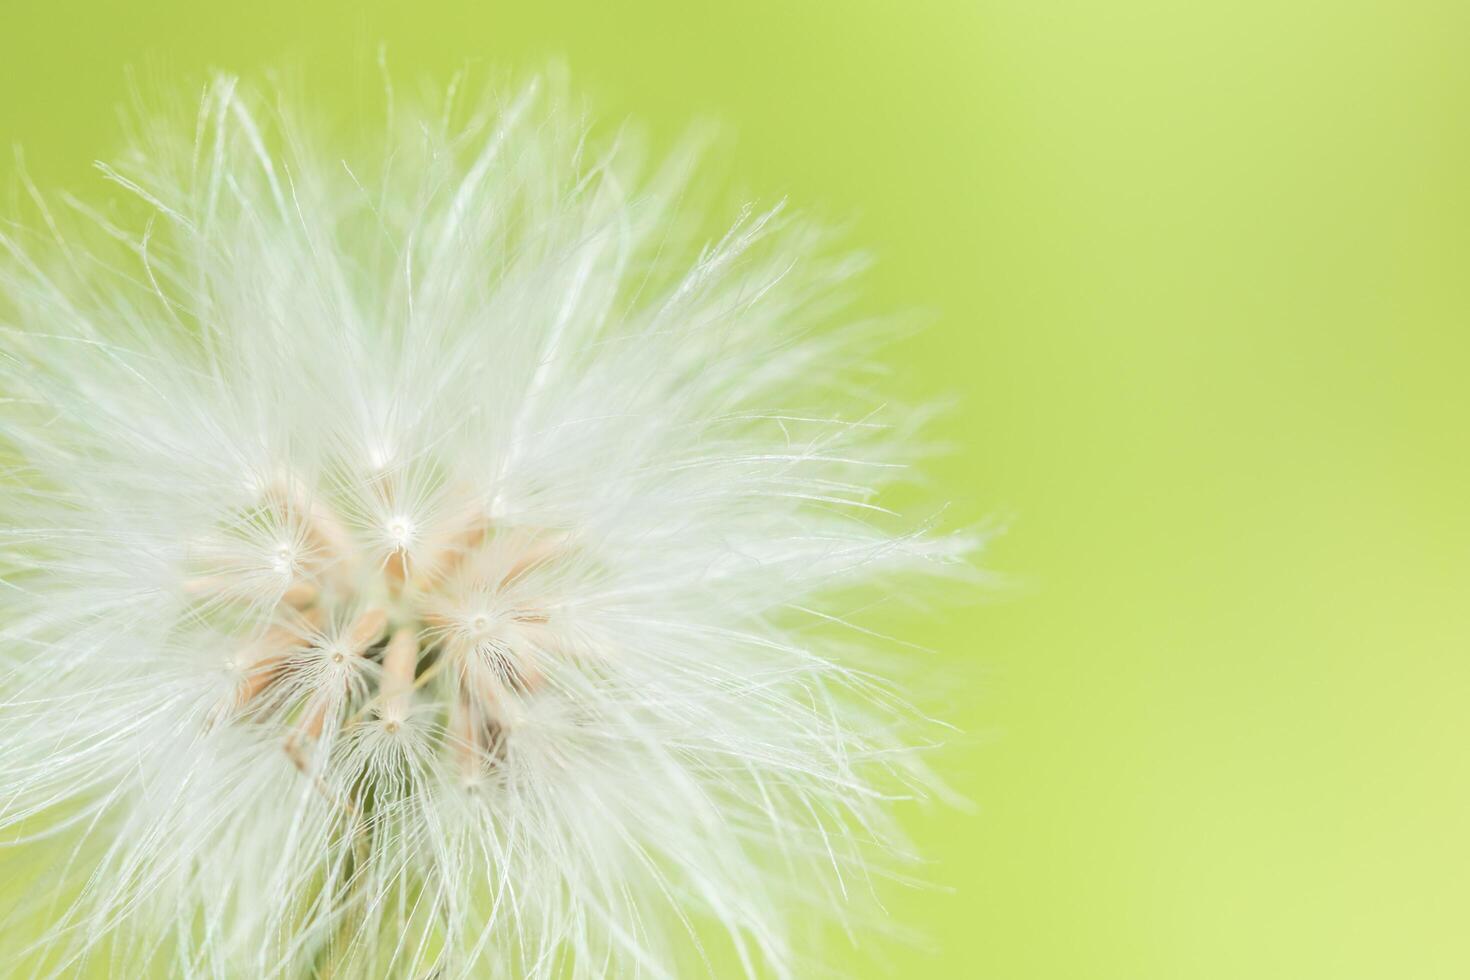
1198, 276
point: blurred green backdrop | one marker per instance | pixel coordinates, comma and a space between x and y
1199, 276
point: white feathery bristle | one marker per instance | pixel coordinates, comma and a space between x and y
430, 560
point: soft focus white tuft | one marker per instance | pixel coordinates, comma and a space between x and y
423, 562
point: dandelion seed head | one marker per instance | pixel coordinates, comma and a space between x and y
434, 557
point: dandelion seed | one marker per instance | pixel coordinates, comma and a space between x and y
411, 566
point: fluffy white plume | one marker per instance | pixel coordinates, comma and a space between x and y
425, 562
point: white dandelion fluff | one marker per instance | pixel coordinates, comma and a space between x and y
425, 561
